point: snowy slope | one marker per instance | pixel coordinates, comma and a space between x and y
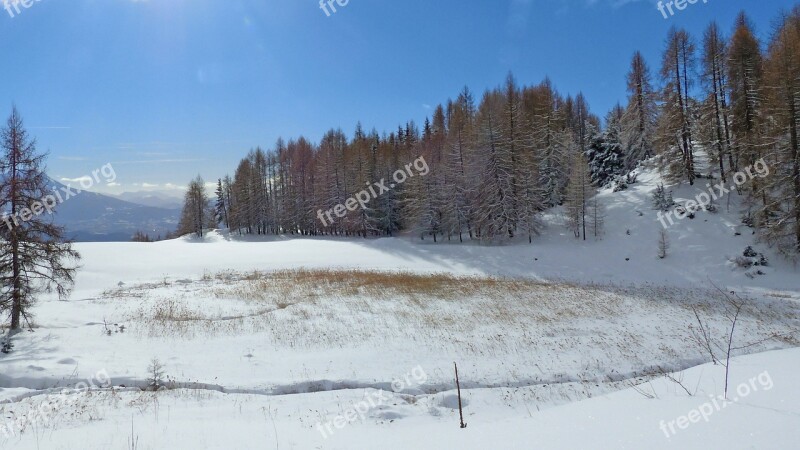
701, 250
547, 361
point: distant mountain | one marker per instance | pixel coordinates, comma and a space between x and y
92, 217
154, 199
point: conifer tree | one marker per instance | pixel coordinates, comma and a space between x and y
196, 214
780, 215
35, 256
745, 70
675, 122
714, 76
597, 216
578, 196
639, 121
495, 208
604, 154
221, 207
460, 198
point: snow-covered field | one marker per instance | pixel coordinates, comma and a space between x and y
765, 417
275, 343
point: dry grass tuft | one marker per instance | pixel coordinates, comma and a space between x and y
361, 282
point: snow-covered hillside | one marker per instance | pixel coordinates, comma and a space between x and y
560, 344
701, 251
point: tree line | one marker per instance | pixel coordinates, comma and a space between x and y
496, 163
747, 109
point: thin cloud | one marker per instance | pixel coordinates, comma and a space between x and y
76, 180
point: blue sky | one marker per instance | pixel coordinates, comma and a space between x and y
167, 89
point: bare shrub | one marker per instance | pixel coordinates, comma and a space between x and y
155, 375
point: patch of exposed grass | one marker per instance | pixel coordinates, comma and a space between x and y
323, 309
360, 282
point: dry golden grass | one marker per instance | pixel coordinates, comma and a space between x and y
359, 282
330, 308
249, 302
171, 310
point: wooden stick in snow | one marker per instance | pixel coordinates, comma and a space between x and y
460, 409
